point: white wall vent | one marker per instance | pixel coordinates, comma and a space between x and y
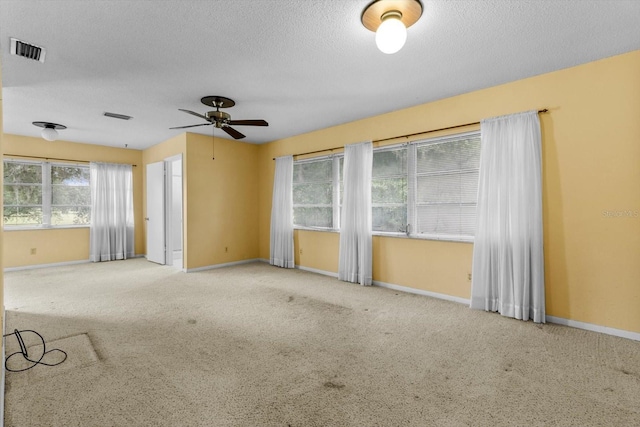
27, 50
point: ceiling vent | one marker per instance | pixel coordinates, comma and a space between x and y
27, 50
118, 116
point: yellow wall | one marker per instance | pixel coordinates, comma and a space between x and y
311, 249
222, 201
591, 165
219, 197
65, 245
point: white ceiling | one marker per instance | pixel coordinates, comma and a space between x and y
300, 65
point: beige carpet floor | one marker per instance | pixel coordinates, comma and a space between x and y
255, 345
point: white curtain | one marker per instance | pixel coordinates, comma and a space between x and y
282, 214
355, 263
112, 232
508, 263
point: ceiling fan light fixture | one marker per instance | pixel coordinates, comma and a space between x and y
49, 130
389, 19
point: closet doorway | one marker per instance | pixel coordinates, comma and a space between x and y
164, 212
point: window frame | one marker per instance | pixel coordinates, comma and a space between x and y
394, 147
46, 197
412, 186
335, 193
412, 179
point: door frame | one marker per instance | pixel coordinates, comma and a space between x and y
174, 215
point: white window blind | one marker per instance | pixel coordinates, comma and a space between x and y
389, 190
446, 183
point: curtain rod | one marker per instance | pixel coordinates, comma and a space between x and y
544, 110
49, 158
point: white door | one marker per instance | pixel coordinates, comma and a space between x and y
173, 211
155, 213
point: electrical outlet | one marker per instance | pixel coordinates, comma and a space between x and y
33, 251
469, 277
300, 251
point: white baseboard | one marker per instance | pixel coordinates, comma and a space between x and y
309, 269
55, 264
551, 319
595, 328
227, 264
315, 270
422, 292
405, 289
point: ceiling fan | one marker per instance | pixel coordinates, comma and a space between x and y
220, 119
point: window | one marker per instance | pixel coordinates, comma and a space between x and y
22, 193
315, 193
389, 190
70, 195
427, 189
446, 183
41, 194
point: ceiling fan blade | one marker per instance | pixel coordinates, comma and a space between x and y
193, 113
234, 133
191, 126
248, 123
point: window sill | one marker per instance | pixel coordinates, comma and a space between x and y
31, 228
454, 239
328, 230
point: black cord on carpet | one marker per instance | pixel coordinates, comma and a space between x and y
23, 351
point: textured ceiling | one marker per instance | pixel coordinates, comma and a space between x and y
300, 65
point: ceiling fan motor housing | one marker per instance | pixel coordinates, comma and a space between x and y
219, 118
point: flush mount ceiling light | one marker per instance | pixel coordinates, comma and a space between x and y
389, 19
49, 131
